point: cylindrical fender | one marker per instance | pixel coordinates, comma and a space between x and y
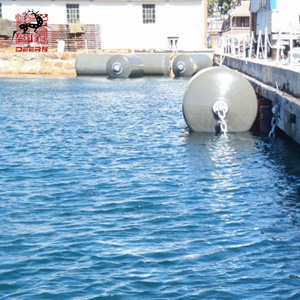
124, 66
92, 64
186, 65
219, 84
155, 64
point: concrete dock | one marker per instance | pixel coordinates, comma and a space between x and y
277, 82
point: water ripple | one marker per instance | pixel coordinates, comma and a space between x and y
106, 195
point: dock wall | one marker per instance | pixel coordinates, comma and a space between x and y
276, 83
37, 63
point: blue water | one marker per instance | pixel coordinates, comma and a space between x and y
104, 194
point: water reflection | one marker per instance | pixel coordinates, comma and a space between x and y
220, 155
243, 167
224, 161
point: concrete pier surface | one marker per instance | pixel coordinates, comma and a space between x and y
274, 81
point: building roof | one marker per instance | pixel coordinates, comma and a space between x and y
242, 11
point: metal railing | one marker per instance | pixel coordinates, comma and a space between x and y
282, 50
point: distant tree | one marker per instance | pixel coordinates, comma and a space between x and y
227, 5
211, 5
223, 5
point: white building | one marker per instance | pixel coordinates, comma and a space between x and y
277, 16
127, 24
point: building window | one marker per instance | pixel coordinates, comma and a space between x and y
72, 13
148, 13
0, 10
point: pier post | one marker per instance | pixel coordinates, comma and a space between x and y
264, 115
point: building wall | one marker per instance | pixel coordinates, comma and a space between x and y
277, 15
122, 24
286, 16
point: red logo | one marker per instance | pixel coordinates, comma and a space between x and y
32, 31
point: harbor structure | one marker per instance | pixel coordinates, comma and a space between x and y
276, 21
238, 20
231, 31
236, 28
277, 89
214, 28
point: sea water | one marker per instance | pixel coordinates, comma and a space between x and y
105, 194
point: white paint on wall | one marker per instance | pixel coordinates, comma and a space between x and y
122, 25
284, 19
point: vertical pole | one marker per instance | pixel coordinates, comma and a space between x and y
278, 46
291, 44
251, 44
223, 44
226, 45
258, 44
266, 44
244, 46
222, 49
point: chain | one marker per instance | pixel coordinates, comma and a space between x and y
220, 108
274, 121
223, 126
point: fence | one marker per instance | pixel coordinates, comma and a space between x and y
260, 47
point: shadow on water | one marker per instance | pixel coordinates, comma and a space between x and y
282, 155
